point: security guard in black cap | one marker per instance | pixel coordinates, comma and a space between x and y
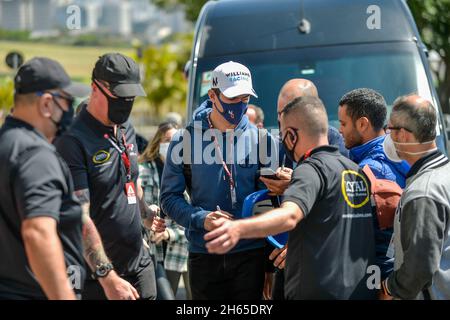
101, 151
40, 218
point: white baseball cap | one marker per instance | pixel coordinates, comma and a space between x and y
232, 79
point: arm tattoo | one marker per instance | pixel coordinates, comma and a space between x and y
94, 253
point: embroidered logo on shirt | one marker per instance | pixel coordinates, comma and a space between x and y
101, 156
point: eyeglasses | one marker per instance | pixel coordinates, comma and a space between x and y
69, 100
389, 129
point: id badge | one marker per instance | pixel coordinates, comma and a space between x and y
130, 191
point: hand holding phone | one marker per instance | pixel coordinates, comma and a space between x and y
268, 173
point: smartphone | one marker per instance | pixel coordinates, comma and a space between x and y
268, 173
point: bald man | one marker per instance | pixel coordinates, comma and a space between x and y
292, 89
336, 237
295, 88
255, 115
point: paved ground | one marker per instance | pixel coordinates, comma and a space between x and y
181, 293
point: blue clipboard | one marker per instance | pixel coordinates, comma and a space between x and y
278, 240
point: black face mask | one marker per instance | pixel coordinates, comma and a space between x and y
290, 152
66, 119
119, 109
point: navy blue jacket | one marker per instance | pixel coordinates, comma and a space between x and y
209, 184
372, 153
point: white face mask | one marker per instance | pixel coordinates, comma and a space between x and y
391, 151
163, 149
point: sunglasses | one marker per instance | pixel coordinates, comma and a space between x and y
70, 100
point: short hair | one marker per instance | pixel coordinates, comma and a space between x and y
367, 103
418, 116
258, 112
310, 114
25, 99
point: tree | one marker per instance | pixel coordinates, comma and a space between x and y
191, 7
164, 79
433, 20
6, 96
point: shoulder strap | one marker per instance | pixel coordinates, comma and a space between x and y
187, 159
369, 174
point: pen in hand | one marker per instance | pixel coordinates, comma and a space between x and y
219, 213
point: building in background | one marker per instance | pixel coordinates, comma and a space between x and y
116, 17
16, 14
124, 18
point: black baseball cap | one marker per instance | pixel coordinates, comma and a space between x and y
41, 74
121, 73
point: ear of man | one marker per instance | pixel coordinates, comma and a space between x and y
45, 105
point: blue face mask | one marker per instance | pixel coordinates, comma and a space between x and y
233, 112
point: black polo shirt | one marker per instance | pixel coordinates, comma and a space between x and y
35, 182
332, 247
97, 165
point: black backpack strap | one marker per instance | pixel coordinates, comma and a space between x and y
187, 159
187, 172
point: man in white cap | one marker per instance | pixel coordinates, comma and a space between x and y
218, 187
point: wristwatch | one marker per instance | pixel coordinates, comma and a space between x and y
102, 270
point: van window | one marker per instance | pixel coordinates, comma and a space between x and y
393, 69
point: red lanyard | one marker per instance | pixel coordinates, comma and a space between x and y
126, 158
307, 154
123, 154
225, 167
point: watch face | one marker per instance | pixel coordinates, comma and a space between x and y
102, 271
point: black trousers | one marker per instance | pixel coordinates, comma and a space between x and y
144, 282
278, 285
235, 276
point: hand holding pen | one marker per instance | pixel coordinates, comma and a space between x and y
215, 219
